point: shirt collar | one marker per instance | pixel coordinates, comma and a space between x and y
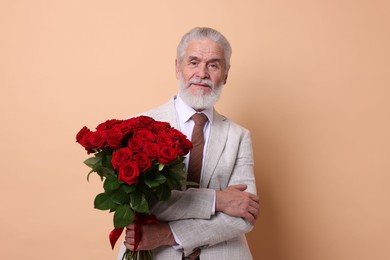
185, 112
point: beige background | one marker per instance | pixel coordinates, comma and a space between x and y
310, 79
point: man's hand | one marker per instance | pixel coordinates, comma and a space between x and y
234, 201
153, 236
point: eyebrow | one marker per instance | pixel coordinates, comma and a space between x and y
212, 60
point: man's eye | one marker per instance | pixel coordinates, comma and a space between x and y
213, 66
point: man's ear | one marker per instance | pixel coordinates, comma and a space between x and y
177, 68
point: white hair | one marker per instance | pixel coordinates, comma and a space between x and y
204, 33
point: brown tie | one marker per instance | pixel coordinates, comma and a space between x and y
196, 155
196, 159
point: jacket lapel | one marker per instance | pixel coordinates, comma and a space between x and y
165, 113
217, 139
216, 144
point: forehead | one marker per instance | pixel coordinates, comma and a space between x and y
204, 49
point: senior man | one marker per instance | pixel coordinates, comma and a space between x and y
210, 221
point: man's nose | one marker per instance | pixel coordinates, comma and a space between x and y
203, 72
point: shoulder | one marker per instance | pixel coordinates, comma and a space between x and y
233, 126
165, 112
160, 110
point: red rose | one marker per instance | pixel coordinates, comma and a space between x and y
184, 147
159, 126
135, 144
128, 126
109, 124
114, 138
82, 133
121, 157
129, 173
84, 142
167, 155
151, 150
175, 135
136, 123
164, 140
145, 120
143, 161
144, 135
98, 139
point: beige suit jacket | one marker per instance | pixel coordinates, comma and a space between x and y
228, 161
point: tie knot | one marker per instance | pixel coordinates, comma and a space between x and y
199, 118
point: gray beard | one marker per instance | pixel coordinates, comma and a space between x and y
200, 101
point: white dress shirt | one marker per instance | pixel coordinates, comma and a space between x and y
186, 124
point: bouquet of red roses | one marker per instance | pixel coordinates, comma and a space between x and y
139, 160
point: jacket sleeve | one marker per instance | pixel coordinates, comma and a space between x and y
192, 203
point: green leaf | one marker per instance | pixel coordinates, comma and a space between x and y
100, 154
103, 202
174, 182
113, 209
138, 202
152, 170
163, 192
123, 216
111, 183
106, 161
91, 162
128, 188
120, 197
176, 176
104, 171
156, 181
178, 170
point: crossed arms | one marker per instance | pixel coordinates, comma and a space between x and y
188, 213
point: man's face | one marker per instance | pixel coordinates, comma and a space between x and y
202, 73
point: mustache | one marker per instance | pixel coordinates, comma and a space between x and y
201, 81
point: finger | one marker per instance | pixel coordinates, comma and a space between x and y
253, 197
245, 213
129, 240
129, 246
254, 212
130, 227
130, 235
254, 204
250, 218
